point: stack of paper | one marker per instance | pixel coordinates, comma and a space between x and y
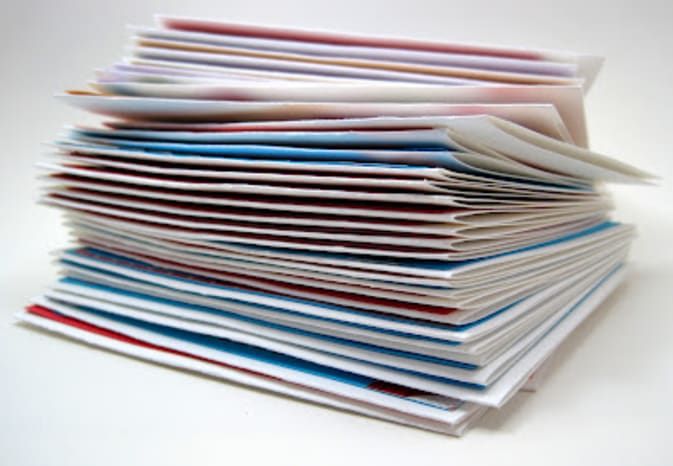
399, 228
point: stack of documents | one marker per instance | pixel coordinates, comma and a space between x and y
399, 228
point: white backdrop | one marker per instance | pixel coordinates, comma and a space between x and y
608, 399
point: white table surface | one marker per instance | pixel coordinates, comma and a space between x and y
607, 399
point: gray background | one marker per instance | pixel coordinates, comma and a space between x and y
608, 400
